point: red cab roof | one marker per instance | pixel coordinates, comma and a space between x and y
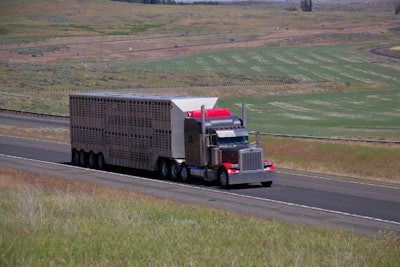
210, 113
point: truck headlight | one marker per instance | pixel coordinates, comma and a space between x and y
267, 163
234, 166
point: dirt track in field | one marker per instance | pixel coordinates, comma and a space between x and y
139, 49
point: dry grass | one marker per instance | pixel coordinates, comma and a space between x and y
20, 180
109, 30
360, 160
54, 134
47, 221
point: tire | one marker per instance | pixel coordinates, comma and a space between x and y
101, 163
174, 170
82, 158
163, 169
266, 184
223, 178
184, 174
92, 160
75, 157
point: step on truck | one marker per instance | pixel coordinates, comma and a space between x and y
179, 137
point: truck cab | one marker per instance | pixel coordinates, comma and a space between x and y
217, 148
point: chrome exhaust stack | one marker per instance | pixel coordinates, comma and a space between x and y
204, 147
244, 115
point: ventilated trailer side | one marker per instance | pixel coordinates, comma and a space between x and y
129, 130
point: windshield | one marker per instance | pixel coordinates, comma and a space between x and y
233, 141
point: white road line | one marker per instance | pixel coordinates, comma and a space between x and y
316, 176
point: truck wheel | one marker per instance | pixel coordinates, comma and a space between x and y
75, 157
223, 178
184, 173
101, 163
92, 160
163, 169
174, 170
82, 158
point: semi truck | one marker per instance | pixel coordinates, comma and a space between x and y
177, 137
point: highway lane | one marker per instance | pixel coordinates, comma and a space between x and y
27, 121
372, 202
35, 149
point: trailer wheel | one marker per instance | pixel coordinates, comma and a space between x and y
223, 178
174, 170
75, 157
184, 173
82, 158
163, 169
101, 163
92, 160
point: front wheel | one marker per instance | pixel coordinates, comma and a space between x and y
184, 173
223, 178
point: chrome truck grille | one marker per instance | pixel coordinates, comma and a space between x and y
251, 159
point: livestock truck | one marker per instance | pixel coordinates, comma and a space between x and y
179, 137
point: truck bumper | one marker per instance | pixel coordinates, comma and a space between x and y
252, 177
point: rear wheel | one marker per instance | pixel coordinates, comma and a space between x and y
82, 158
174, 170
163, 169
75, 157
101, 163
223, 178
92, 160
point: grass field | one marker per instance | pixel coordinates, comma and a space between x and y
372, 114
47, 221
365, 114
350, 64
361, 98
42, 19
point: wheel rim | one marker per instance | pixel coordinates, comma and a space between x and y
75, 158
82, 158
174, 171
164, 169
223, 179
184, 174
92, 160
100, 161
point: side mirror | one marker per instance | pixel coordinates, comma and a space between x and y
257, 134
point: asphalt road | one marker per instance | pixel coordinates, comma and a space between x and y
17, 120
357, 205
